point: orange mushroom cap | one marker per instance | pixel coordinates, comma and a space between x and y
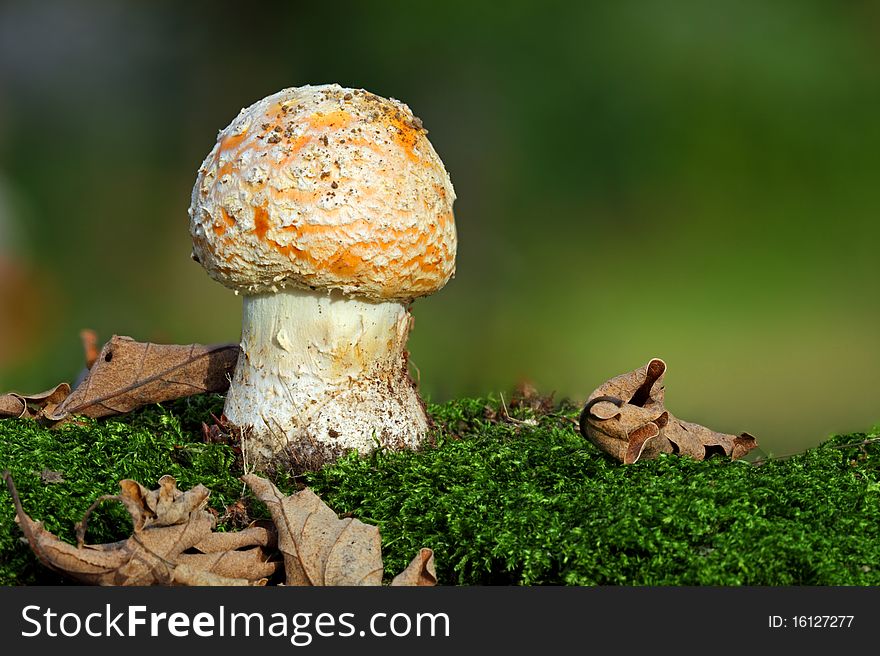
324, 187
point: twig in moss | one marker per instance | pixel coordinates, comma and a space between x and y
864, 442
19, 510
83, 524
511, 420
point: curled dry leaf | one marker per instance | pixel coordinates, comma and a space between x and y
173, 543
164, 506
25, 406
130, 374
626, 417
420, 572
321, 549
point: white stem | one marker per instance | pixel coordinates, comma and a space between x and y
323, 373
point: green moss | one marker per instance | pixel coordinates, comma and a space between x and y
506, 503
91, 458
526, 502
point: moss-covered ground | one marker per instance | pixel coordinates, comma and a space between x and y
501, 501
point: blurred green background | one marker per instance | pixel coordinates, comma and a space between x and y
691, 180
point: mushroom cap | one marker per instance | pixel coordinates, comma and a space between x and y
324, 187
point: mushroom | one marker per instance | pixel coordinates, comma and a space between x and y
328, 209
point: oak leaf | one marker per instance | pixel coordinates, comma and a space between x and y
321, 549
172, 543
318, 547
626, 418
129, 374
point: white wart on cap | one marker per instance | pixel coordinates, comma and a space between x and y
330, 211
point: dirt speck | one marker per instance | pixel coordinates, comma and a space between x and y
49, 477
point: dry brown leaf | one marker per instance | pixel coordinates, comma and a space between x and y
318, 547
626, 417
420, 572
172, 543
25, 406
12, 405
321, 549
130, 374
189, 576
164, 506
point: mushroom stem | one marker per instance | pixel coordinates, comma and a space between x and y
322, 373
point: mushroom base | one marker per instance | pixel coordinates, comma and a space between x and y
321, 374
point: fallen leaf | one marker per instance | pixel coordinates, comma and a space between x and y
172, 543
321, 549
626, 417
130, 374
420, 572
189, 576
12, 405
318, 547
26, 406
164, 506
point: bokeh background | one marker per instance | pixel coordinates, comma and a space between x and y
685, 179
